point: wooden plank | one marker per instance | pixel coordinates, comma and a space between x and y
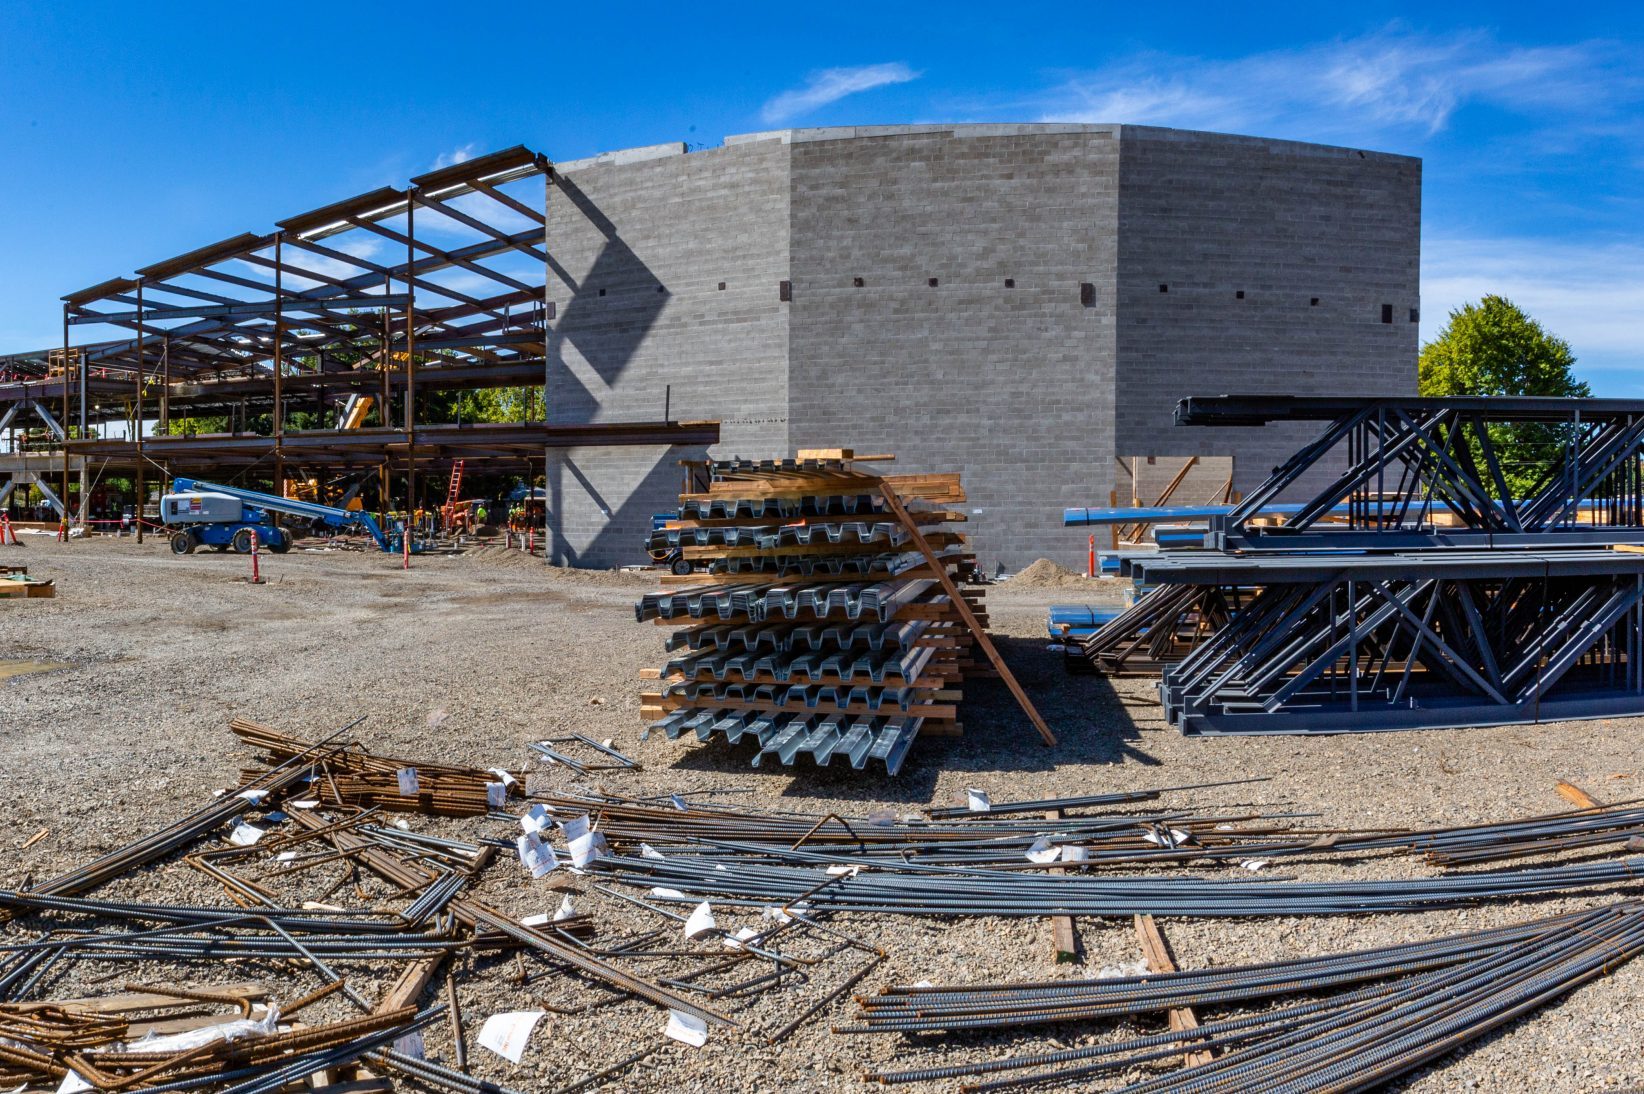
1064, 940
967, 613
807, 550
409, 987
1576, 796
131, 1001
1157, 952
890, 710
926, 610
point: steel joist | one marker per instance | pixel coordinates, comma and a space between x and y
1428, 640
1427, 583
1411, 473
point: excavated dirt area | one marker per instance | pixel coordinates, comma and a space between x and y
466, 659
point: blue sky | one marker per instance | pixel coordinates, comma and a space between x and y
129, 133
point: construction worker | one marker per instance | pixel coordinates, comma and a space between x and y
479, 515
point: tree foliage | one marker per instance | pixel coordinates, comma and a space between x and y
1495, 348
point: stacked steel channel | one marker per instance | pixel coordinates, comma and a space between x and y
815, 625
1418, 584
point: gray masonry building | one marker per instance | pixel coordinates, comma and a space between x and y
1024, 304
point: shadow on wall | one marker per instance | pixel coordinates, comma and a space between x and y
620, 507
609, 313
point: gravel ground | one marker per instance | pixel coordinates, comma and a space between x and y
465, 659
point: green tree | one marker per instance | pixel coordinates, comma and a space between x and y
1495, 348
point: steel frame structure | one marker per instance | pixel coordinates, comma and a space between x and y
1392, 465
1407, 640
1411, 589
439, 285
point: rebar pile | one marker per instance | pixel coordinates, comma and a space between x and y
816, 624
1372, 1015
350, 776
891, 887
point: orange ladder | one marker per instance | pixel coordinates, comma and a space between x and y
450, 510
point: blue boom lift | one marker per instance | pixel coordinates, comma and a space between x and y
209, 514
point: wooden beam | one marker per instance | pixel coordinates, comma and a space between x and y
1064, 940
1576, 796
1157, 952
962, 606
409, 987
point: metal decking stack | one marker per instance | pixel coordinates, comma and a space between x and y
817, 625
1413, 587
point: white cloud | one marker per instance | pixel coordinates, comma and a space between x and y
830, 85
1590, 295
455, 156
1350, 89
360, 246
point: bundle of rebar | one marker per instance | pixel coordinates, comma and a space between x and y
816, 628
911, 888
1353, 1020
352, 777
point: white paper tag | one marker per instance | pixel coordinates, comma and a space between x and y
1073, 853
700, 921
575, 827
583, 849
1254, 864
977, 801
255, 797
647, 851
842, 871
742, 935
1166, 837
244, 835
535, 855
409, 787
496, 795
679, 803
535, 819
668, 894
306, 803
507, 1034
540, 919
73, 1084
566, 909
1042, 851
687, 1028
285, 856
775, 914
507, 779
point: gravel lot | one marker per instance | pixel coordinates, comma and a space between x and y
465, 659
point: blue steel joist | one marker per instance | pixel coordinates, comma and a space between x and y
1431, 597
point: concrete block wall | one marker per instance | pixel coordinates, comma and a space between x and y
1000, 370
666, 269
663, 289
1210, 216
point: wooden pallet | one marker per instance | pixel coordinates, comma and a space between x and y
26, 589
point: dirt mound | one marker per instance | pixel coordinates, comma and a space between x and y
1045, 574
497, 555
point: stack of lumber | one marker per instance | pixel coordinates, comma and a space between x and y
816, 624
